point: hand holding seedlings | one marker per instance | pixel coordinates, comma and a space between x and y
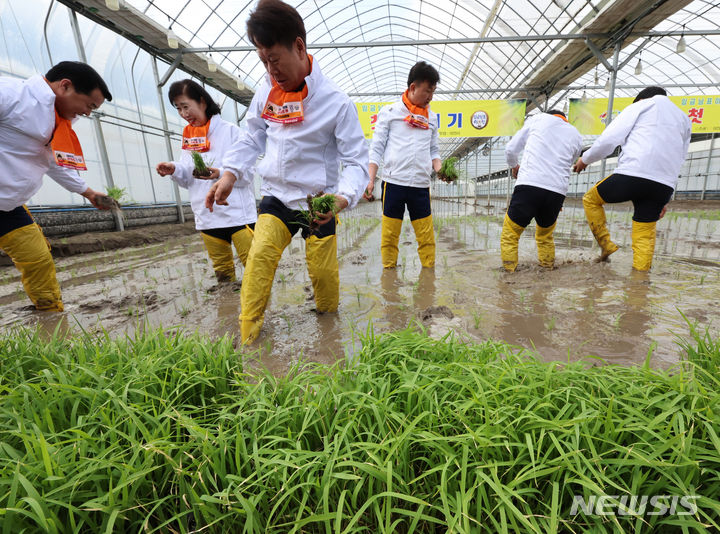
214, 174
322, 208
368, 194
447, 172
202, 169
165, 168
100, 200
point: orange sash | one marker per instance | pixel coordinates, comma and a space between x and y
558, 115
285, 107
65, 145
418, 117
195, 138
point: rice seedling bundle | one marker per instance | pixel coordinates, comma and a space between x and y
448, 172
169, 433
201, 168
318, 205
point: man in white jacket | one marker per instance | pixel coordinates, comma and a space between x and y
654, 135
550, 145
37, 138
406, 140
307, 128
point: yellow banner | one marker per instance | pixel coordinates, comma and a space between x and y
460, 118
590, 117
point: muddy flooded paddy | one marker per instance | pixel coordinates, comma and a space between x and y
579, 309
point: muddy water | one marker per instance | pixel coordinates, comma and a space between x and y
580, 308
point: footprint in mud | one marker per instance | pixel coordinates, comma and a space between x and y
232, 286
149, 301
433, 312
92, 306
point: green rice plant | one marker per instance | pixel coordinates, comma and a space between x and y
319, 204
167, 432
201, 168
117, 193
448, 172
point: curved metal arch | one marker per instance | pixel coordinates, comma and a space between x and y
408, 53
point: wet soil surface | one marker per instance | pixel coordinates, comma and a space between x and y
105, 241
581, 308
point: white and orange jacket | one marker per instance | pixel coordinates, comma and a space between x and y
241, 208
325, 152
27, 123
405, 151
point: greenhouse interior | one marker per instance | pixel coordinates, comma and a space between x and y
216, 316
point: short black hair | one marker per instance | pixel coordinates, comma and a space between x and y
84, 78
650, 92
193, 91
423, 72
273, 22
556, 112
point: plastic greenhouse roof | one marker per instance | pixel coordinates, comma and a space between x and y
362, 61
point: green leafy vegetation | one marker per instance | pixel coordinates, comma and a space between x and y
170, 433
201, 168
448, 172
117, 193
318, 205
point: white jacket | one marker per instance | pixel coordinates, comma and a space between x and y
27, 122
241, 207
407, 151
304, 158
551, 146
654, 135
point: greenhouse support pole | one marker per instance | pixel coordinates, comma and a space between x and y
477, 175
707, 167
611, 97
467, 177
489, 172
119, 224
168, 144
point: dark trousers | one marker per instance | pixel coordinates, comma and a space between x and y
14, 219
529, 202
648, 196
294, 220
396, 197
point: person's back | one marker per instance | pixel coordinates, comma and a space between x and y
654, 137
549, 145
657, 144
551, 148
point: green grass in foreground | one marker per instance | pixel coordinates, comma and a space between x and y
169, 434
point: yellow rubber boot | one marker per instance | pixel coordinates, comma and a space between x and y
270, 239
595, 215
322, 264
242, 239
30, 253
221, 256
425, 235
509, 238
545, 245
643, 245
389, 239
